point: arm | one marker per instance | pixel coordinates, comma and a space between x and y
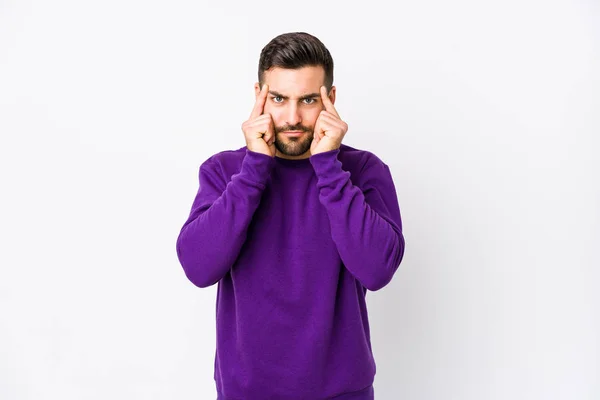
210, 240
365, 224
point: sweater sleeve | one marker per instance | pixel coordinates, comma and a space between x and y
211, 238
365, 221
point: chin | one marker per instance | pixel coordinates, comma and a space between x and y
294, 147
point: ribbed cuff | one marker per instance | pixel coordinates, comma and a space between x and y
326, 164
257, 166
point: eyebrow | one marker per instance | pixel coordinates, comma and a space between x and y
306, 96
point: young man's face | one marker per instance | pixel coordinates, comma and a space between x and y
294, 102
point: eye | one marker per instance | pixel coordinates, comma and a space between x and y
277, 97
310, 101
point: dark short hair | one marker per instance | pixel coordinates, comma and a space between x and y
296, 50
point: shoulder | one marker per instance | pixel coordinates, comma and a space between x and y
226, 157
359, 160
224, 163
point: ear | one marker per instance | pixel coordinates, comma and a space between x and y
332, 95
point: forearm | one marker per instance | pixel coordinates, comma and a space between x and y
210, 240
368, 236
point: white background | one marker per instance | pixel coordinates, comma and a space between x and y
486, 112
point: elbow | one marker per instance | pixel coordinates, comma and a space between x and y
380, 279
197, 273
374, 284
193, 268
383, 276
199, 280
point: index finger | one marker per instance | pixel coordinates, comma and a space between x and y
260, 102
327, 102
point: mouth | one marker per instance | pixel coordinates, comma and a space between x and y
293, 133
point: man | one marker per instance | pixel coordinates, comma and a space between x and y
295, 227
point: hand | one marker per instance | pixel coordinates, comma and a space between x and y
329, 129
259, 128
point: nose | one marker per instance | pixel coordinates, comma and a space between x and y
293, 116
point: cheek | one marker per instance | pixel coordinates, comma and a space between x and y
310, 118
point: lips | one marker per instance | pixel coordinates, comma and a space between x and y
293, 133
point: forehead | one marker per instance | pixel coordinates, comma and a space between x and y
295, 82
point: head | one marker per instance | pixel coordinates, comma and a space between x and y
295, 66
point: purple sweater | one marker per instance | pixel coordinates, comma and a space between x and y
294, 246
